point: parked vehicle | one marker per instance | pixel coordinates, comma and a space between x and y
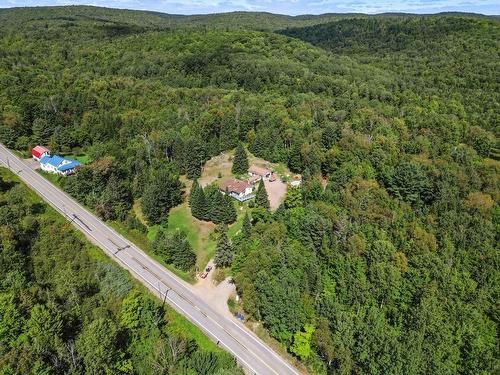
204, 275
239, 316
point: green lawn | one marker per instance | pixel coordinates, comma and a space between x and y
197, 232
84, 159
80, 156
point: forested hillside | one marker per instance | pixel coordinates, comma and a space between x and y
66, 308
438, 58
116, 20
386, 259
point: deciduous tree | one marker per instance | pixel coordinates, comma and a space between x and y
161, 194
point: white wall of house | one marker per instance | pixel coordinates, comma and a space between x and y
48, 168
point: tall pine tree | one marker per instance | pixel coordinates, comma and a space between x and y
261, 199
174, 249
194, 157
200, 207
224, 252
240, 162
194, 191
213, 206
246, 227
218, 208
229, 210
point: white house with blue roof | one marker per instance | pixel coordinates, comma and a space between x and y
58, 164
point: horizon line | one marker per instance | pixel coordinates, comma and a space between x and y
254, 11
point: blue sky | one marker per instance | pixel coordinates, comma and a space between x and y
292, 7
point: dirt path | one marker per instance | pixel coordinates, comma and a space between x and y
32, 163
215, 296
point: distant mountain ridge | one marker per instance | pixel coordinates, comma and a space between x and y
260, 21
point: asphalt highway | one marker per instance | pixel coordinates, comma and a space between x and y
250, 352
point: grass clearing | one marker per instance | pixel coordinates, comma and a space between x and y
197, 232
52, 177
78, 156
221, 165
136, 208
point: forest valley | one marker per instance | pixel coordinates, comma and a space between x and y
384, 261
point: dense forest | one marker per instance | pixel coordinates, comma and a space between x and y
66, 308
386, 259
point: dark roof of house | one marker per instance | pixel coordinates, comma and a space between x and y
234, 186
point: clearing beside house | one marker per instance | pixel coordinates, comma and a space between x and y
276, 192
218, 169
199, 233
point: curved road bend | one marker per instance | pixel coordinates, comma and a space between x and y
250, 352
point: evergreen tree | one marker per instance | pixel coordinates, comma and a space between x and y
194, 191
293, 198
240, 162
198, 202
115, 200
181, 253
229, 210
194, 157
218, 209
41, 131
203, 205
174, 249
224, 252
159, 242
247, 226
261, 199
409, 182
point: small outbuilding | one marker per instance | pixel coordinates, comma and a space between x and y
39, 152
296, 181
